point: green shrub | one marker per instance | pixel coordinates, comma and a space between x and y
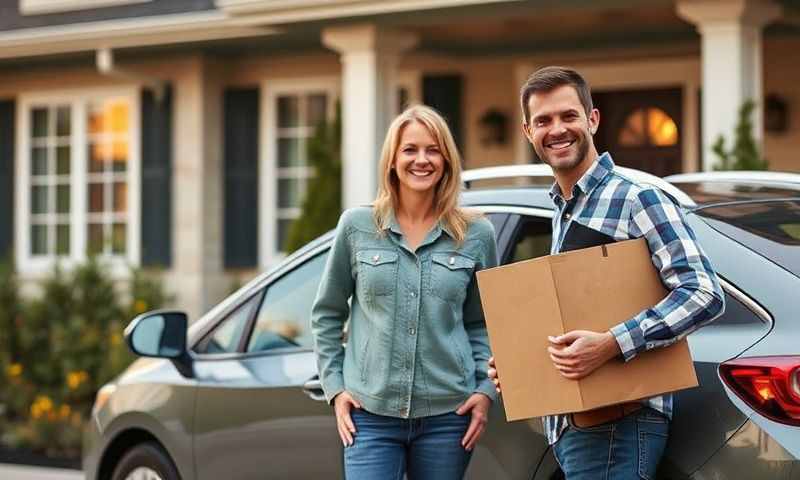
68, 344
744, 154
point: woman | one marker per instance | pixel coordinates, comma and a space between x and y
410, 391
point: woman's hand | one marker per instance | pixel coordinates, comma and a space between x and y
342, 405
479, 405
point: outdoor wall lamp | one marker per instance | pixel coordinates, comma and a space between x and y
776, 114
493, 127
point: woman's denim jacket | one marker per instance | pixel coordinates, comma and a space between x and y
416, 343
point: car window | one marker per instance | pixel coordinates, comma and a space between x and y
284, 319
531, 239
498, 220
771, 229
227, 336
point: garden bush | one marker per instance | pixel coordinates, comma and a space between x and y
59, 347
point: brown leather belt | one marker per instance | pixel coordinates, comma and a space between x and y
599, 416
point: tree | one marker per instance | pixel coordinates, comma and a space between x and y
744, 154
323, 202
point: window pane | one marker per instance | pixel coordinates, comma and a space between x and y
98, 152
39, 161
532, 239
96, 121
63, 122
661, 128
283, 233
118, 110
39, 122
62, 160
39, 199
317, 110
120, 197
284, 318
96, 202
62, 239
62, 198
289, 192
39, 239
119, 157
225, 338
633, 133
288, 112
119, 238
289, 152
94, 241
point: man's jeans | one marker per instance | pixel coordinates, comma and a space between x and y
423, 448
629, 448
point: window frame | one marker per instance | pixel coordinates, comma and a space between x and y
268, 253
39, 7
79, 101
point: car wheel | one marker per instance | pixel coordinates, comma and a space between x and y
147, 461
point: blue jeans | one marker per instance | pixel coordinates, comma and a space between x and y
423, 448
627, 449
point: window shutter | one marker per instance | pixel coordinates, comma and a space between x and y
241, 107
6, 178
156, 179
443, 92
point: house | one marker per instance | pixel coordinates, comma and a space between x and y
171, 133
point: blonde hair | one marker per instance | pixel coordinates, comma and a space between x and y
454, 219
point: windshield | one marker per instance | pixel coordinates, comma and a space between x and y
770, 228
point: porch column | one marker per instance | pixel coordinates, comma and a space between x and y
369, 97
732, 67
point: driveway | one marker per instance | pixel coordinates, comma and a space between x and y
17, 472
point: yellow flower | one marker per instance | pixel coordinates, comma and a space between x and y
14, 370
140, 306
75, 379
42, 405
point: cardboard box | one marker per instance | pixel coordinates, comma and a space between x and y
590, 289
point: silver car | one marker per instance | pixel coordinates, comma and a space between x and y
236, 394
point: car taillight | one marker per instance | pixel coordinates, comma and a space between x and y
770, 385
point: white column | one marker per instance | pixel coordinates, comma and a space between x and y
732, 67
369, 97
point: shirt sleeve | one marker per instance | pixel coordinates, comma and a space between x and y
695, 297
474, 321
330, 312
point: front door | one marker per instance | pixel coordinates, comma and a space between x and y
642, 129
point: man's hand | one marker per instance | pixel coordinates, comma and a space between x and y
492, 372
478, 404
578, 353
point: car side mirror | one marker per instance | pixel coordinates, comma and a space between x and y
161, 334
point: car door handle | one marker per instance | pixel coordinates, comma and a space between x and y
313, 388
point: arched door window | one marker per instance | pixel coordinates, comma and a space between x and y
648, 127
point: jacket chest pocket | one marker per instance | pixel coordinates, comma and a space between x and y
377, 272
450, 275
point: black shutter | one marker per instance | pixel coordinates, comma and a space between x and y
241, 177
156, 179
6, 178
443, 92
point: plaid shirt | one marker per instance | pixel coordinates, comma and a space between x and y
608, 202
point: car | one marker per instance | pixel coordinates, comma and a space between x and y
235, 395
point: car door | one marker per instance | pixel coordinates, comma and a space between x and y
259, 413
513, 450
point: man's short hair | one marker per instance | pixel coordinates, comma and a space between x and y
548, 79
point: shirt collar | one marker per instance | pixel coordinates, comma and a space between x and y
437, 230
590, 179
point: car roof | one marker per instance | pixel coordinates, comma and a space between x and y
720, 188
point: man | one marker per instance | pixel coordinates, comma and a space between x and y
594, 202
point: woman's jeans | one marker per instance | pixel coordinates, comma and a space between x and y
422, 448
627, 449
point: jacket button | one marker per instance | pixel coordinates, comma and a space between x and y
567, 216
413, 294
411, 331
452, 260
376, 258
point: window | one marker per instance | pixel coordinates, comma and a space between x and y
648, 127
294, 110
531, 239
78, 181
285, 316
227, 336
